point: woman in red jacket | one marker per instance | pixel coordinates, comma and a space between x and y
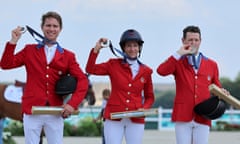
193, 73
131, 88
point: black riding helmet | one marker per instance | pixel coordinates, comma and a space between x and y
65, 85
131, 35
211, 108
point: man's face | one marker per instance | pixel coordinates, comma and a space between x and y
194, 40
51, 29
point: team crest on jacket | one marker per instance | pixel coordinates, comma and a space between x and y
209, 78
142, 79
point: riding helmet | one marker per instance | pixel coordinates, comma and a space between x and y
211, 108
66, 85
131, 35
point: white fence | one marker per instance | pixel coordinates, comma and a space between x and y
163, 119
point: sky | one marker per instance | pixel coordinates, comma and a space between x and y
160, 23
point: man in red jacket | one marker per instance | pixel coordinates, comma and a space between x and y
45, 63
193, 73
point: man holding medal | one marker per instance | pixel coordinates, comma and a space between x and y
193, 73
45, 63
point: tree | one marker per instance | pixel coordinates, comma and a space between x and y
232, 86
164, 99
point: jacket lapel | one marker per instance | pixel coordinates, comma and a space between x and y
57, 56
41, 55
140, 72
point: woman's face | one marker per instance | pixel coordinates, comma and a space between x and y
131, 49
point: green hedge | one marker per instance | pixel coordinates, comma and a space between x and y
85, 127
225, 126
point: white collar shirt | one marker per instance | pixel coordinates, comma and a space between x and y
50, 52
134, 65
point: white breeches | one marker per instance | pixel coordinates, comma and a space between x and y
52, 125
191, 133
115, 130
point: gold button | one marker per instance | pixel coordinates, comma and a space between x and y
129, 85
127, 100
126, 109
128, 93
47, 67
47, 75
196, 77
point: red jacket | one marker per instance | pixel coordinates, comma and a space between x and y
191, 88
127, 94
41, 77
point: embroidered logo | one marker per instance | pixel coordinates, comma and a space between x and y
209, 78
142, 79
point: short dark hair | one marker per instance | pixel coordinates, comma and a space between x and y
52, 14
106, 92
193, 29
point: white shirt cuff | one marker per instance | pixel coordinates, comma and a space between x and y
176, 56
